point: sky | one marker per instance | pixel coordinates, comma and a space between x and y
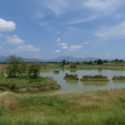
47, 29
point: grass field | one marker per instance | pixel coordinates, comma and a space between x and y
56, 66
99, 108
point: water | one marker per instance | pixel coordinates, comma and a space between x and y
78, 86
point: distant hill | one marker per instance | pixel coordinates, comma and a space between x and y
58, 59
5, 59
73, 59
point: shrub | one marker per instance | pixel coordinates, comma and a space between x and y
34, 71
16, 67
73, 66
71, 77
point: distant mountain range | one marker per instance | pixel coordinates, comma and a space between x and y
5, 59
58, 59
73, 59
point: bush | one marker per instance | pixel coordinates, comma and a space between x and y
71, 77
73, 66
16, 67
34, 71
99, 62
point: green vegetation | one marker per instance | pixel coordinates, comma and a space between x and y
23, 85
99, 108
118, 78
22, 77
96, 64
71, 77
56, 71
27, 108
94, 78
16, 68
34, 71
73, 70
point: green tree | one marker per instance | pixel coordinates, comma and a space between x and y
34, 71
99, 62
16, 67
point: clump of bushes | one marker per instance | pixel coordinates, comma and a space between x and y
34, 71
23, 77
19, 69
118, 78
56, 71
73, 66
71, 77
94, 78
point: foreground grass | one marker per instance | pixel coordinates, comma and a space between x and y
99, 108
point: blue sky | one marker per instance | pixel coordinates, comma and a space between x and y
50, 28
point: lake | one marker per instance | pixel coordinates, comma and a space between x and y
79, 86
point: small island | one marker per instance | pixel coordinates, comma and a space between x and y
56, 71
118, 78
71, 77
94, 78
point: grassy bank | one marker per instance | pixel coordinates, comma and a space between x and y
99, 108
27, 85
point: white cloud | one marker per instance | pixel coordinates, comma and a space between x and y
28, 48
65, 47
112, 32
21, 44
6, 25
57, 51
15, 40
70, 47
76, 46
63, 44
0, 47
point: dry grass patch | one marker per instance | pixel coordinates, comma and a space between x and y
8, 99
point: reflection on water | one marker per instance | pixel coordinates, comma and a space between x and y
88, 83
75, 86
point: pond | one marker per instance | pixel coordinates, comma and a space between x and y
80, 86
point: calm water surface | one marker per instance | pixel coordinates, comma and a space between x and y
78, 86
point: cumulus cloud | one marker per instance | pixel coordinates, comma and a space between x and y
63, 44
69, 47
15, 40
7, 25
58, 51
21, 44
28, 48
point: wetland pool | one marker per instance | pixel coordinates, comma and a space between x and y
80, 86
